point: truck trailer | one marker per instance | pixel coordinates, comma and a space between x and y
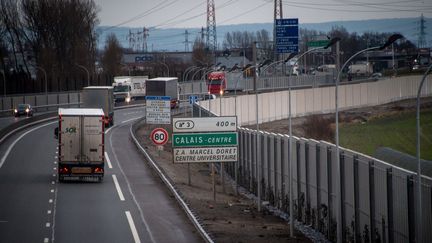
164, 87
81, 143
100, 97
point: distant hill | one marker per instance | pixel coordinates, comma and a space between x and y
173, 39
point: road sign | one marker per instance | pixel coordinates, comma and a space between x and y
287, 33
158, 110
159, 136
193, 99
205, 124
204, 139
211, 154
319, 43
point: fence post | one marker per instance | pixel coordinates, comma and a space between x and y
411, 210
356, 198
372, 200
390, 204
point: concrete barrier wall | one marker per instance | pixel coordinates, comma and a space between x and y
275, 105
37, 100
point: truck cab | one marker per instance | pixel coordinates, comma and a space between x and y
216, 82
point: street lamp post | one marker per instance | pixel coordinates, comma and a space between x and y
419, 187
390, 41
166, 66
85, 69
291, 208
46, 82
4, 83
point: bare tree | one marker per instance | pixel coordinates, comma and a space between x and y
112, 55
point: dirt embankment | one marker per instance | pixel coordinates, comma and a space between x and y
230, 218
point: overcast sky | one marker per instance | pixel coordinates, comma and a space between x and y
192, 13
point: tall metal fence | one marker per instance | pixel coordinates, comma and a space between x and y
377, 198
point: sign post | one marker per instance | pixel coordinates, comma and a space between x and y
159, 136
205, 140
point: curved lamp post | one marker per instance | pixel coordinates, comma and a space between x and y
291, 209
4, 83
46, 82
187, 70
166, 66
419, 191
85, 69
390, 41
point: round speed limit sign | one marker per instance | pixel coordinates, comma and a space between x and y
159, 136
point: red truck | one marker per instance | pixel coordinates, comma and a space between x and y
216, 82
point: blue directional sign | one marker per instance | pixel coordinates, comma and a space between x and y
192, 99
158, 98
287, 33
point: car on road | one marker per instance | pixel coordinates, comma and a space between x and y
209, 97
23, 109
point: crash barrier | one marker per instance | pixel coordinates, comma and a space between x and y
378, 199
275, 106
40, 101
23, 124
265, 83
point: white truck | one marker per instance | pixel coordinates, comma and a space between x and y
360, 69
127, 88
81, 143
164, 87
100, 97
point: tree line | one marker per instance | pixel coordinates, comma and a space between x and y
54, 39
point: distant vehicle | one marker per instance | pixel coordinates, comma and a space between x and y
23, 109
376, 76
216, 82
164, 87
128, 88
100, 97
209, 97
81, 142
361, 69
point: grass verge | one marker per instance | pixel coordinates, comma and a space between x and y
395, 131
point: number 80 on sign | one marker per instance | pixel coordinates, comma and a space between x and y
159, 136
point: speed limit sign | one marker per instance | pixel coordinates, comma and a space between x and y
159, 136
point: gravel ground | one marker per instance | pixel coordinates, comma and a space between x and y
230, 218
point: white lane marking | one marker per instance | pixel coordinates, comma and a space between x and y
49, 212
132, 119
144, 221
46, 240
132, 227
55, 168
53, 182
55, 162
108, 160
117, 186
19, 138
55, 157
48, 225
57, 151
109, 129
52, 190
50, 201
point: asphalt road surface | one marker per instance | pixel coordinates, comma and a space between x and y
130, 205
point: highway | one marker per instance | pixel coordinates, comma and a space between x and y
130, 205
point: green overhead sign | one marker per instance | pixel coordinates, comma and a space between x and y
319, 43
204, 139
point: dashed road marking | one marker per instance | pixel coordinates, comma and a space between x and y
49, 212
132, 227
48, 225
46, 240
117, 186
108, 160
50, 201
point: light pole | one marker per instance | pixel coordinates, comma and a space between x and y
4, 83
290, 164
390, 41
85, 69
166, 67
419, 187
46, 82
186, 72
